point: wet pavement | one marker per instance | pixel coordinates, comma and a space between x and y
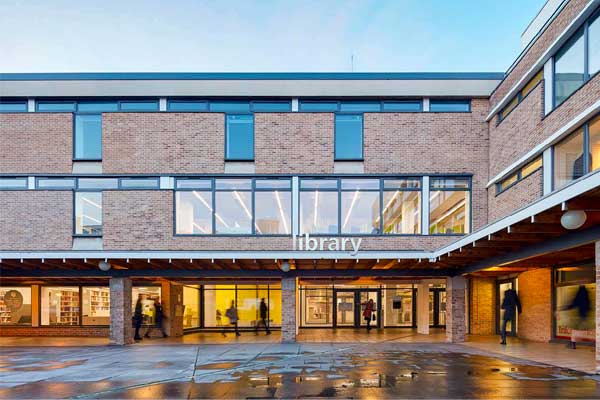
274, 370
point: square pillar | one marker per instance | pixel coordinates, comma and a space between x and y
598, 307
423, 308
289, 326
121, 326
172, 303
456, 326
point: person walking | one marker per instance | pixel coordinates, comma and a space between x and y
232, 314
159, 317
510, 305
137, 318
368, 313
263, 310
580, 303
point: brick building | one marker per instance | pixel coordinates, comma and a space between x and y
429, 193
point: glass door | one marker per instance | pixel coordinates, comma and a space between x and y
345, 308
364, 297
437, 307
501, 288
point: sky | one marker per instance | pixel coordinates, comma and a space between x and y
262, 36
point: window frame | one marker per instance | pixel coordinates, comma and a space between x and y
450, 101
468, 189
519, 175
362, 137
226, 141
20, 285
16, 179
18, 102
75, 115
74, 221
520, 97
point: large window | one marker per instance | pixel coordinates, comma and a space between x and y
449, 206
191, 304
577, 61
88, 213
568, 281
88, 137
147, 295
316, 306
60, 305
239, 140
319, 206
398, 305
15, 305
348, 137
360, 206
401, 206
95, 306
570, 160
233, 206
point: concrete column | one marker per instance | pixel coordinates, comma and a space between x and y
121, 327
172, 302
423, 308
598, 307
289, 326
456, 326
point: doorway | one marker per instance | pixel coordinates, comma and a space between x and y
349, 305
501, 287
437, 307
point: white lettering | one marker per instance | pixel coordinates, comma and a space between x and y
334, 244
344, 241
321, 243
311, 243
355, 246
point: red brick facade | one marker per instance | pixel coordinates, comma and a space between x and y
482, 306
520, 195
65, 330
535, 293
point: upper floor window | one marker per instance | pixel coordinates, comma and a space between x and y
239, 137
408, 105
577, 61
96, 106
88, 213
449, 206
7, 183
348, 137
13, 106
519, 175
88, 137
436, 105
537, 78
571, 161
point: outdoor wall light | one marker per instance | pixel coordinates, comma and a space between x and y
573, 219
285, 266
104, 266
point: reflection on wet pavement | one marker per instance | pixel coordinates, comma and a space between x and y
282, 371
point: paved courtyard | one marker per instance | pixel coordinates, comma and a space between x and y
274, 370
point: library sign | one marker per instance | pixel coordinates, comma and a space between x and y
305, 242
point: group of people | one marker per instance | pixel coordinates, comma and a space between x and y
232, 315
138, 318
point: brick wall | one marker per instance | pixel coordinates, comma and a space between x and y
535, 293
294, 143
36, 220
288, 310
515, 197
143, 220
86, 331
141, 143
557, 26
456, 324
432, 143
482, 306
32, 142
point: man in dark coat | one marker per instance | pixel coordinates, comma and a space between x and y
137, 318
263, 309
158, 318
510, 305
581, 303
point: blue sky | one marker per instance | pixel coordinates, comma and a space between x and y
222, 35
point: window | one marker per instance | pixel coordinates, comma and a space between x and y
449, 206
403, 106
139, 183
95, 306
273, 206
401, 206
360, 206
13, 183
413, 105
194, 212
55, 106
449, 105
271, 106
569, 69
97, 183
88, 213
191, 304
88, 137
97, 106
56, 183
398, 300
568, 281
360, 106
319, 206
319, 106
13, 106
521, 95
233, 205
239, 139
147, 296
230, 106
316, 306
151, 105
59, 305
348, 137
182, 105
519, 175
15, 305
594, 45
570, 160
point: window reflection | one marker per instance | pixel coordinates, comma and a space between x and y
360, 212
15, 305
88, 213
568, 160
594, 129
60, 305
401, 212
273, 210
449, 212
569, 68
319, 212
194, 212
233, 212
191, 304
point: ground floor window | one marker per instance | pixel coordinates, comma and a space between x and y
60, 305
95, 306
316, 306
398, 305
148, 295
218, 299
15, 305
568, 281
191, 304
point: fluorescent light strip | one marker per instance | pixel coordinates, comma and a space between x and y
91, 202
91, 218
389, 203
458, 205
356, 194
239, 199
210, 208
281, 213
316, 209
199, 227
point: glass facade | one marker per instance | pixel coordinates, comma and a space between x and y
95, 306
88, 213
568, 281
15, 305
449, 206
569, 68
147, 295
60, 305
191, 307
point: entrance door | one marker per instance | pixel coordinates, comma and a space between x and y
437, 307
350, 304
501, 287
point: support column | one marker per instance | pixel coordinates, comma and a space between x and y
423, 308
172, 302
456, 326
289, 326
121, 329
35, 305
598, 307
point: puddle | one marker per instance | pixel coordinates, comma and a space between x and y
52, 366
221, 365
